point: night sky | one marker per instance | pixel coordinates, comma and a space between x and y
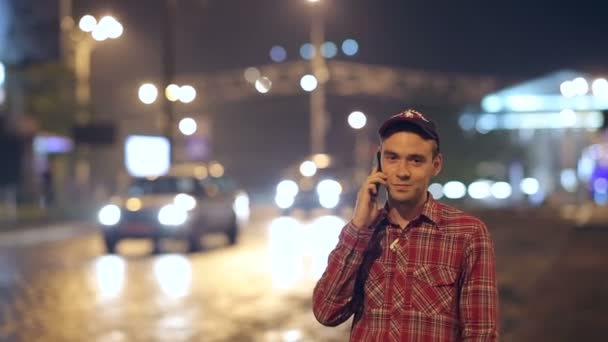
513, 39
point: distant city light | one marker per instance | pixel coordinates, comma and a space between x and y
329, 50
251, 74
581, 87
278, 54
308, 83
492, 103
148, 93
529, 186
187, 126
322, 160
567, 118
486, 123
216, 170
467, 122
357, 120
263, 85
454, 190
436, 190
99, 34
307, 51
479, 189
501, 190
568, 179
567, 89
308, 168
350, 47
87, 23
599, 87
172, 92
2, 74
187, 93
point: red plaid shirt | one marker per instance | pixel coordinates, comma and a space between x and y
435, 280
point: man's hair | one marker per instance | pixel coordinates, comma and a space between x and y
412, 129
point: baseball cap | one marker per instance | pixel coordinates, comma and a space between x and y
413, 118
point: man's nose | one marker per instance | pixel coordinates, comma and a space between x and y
403, 170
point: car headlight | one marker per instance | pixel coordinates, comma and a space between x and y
185, 201
109, 215
172, 215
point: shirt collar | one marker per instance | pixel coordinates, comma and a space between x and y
431, 212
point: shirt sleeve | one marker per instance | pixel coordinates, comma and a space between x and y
479, 292
333, 295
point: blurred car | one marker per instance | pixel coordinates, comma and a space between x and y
319, 188
186, 204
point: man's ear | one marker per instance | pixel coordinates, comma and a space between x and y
437, 164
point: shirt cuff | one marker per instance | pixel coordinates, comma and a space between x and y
356, 238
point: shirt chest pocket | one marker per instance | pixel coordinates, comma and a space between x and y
434, 290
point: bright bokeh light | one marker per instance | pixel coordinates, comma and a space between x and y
307, 51
599, 87
147, 93
567, 118
479, 189
350, 47
185, 202
467, 122
329, 201
529, 186
322, 160
308, 168
87, 23
278, 54
241, 206
187, 93
329, 187
329, 50
581, 87
147, 155
357, 120
110, 27
567, 89
172, 215
172, 92
99, 34
288, 187
436, 190
284, 201
486, 123
252, 74
568, 179
454, 190
133, 204
109, 215
174, 275
110, 276
492, 103
501, 190
263, 85
187, 126
2, 73
308, 82
216, 170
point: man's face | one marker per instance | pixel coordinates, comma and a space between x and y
407, 160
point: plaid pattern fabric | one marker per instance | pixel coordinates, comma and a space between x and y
435, 280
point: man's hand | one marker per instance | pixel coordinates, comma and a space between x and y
366, 209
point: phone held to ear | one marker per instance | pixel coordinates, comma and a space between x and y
378, 168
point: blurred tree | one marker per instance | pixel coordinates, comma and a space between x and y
49, 98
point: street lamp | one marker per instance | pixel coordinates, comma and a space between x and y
318, 115
357, 120
148, 93
187, 126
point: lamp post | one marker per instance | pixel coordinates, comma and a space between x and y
318, 115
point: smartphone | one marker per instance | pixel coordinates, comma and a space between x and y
378, 167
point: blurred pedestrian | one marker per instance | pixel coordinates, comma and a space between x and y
415, 269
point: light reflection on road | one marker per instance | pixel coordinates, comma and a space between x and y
109, 276
174, 275
298, 250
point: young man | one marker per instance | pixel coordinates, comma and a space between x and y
416, 269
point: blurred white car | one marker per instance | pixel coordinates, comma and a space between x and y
178, 205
